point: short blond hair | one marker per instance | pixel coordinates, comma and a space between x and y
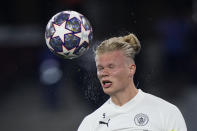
129, 44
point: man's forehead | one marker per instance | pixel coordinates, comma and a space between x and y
108, 58
107, 62
112, 57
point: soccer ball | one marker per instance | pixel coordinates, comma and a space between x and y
68, 34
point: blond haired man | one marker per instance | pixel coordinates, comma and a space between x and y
129, 108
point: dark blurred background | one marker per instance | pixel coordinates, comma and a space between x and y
41, 92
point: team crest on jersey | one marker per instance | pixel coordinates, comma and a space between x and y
141, 119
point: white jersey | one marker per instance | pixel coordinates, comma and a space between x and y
144, 112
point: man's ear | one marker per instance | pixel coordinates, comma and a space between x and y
132, 69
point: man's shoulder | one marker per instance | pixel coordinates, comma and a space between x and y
159, 103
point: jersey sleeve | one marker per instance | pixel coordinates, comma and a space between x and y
175, 121
85, 125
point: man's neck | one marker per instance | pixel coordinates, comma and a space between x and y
123, 97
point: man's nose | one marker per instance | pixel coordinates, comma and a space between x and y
104, 73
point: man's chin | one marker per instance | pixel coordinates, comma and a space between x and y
108, 91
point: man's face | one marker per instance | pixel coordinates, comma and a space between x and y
114, 71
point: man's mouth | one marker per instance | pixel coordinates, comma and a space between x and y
106, 83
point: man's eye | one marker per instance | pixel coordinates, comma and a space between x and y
99, 68
111, 66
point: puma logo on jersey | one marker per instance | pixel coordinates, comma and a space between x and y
106, 123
